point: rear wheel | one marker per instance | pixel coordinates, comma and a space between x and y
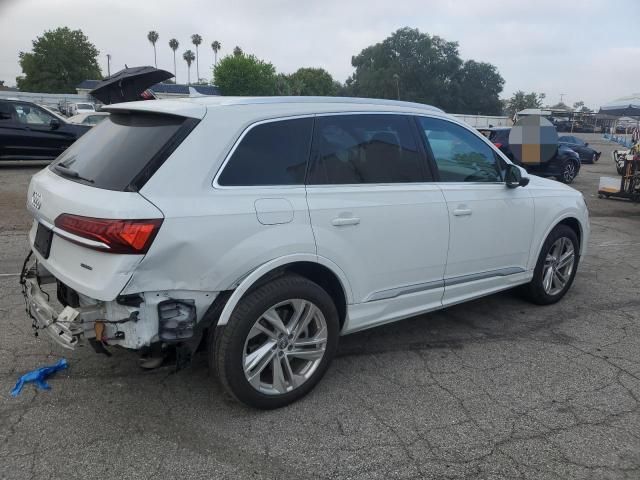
278, 343
568, 173
556, 267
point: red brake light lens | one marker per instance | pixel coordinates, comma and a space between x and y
118, 236
497, 144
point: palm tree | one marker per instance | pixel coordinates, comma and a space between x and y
188, 57
174, 44
215, 46
196, 40
153, 36
237, 51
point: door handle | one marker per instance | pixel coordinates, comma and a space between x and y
340, 221
460, 212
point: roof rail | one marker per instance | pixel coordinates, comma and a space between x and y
294, 99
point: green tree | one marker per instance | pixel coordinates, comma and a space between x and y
197, 40
520, 101
245, 75
312, 81
283, 85
188, 57
153, 36
173, 45
578, 105
426, 68
59, 61
479, 85
237, 51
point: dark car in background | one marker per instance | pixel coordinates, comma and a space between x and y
582, 148
31, 132
564, 165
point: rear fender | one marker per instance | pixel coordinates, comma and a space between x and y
242, 285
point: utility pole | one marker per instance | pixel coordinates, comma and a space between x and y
108, 64
396, 77
562, 96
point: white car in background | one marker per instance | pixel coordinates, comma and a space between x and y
268, 227
76, 108
90, 118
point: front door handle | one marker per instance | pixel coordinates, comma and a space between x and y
340, 221
460, 212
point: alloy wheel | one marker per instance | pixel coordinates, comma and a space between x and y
285, 346
569, 172
558, 266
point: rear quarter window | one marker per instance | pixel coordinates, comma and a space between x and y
272, 153
124, 150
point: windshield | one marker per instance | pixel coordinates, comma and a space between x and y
85, 106
115, 151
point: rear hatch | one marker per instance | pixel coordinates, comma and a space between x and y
91, 226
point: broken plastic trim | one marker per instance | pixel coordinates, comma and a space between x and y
176, 320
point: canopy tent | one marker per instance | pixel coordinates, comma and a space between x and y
623, 107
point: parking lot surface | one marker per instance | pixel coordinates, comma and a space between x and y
495, 389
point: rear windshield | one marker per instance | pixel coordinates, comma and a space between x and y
85, 106
116, 152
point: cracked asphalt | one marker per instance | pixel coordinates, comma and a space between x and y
493, 389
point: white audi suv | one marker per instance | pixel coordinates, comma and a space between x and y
266, 228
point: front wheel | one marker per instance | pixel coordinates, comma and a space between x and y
278, 343
556, 267
569, 172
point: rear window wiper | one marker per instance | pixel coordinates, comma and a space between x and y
69, 172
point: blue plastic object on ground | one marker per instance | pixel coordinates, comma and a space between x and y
38, 377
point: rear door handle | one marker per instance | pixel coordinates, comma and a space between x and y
340, 221
460, 212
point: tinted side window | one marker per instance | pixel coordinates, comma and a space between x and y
31, 115
352, 149
459, 154
273, 153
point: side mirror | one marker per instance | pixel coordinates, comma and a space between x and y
513, 178
54, 124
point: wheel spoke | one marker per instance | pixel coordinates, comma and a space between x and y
561, 279
254, 358
307, 353
258, 328
319, 337
274, 320
299, 307
304, 321
566, 259
292, 378
279, 383
547, 279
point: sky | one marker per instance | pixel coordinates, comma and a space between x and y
585, 50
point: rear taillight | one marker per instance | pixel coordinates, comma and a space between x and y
112, 236
497, 144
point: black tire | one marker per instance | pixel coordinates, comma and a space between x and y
230, 339
568, 173
534, 291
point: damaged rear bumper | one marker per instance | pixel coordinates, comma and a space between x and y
133, 321
60, 326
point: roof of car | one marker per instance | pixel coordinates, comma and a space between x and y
196, 107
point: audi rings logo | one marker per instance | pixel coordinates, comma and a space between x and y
36, 200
